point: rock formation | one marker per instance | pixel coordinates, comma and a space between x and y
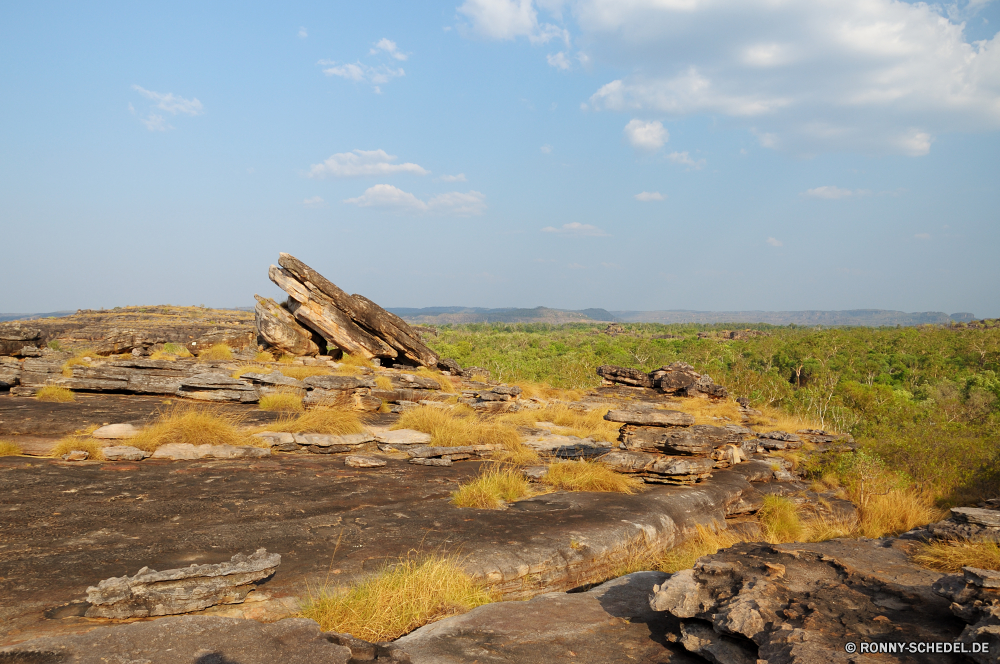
665, 446
152, 593
975, 598
678, 379
352, 323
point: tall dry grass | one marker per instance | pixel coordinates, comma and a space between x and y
773, 419
55, 394
398, 599
708, 411
9, 448
196, 426
570, 422
445, 382
216, 353
94, 448
589, 476
494, 487
952, 556
459, 425
318, 420
282, 401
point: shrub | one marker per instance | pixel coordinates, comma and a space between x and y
73, 443
216, 353
398, 599
281, 401
954, 555
197, 426
589, 476
319, 420
495, 486
56, 394
8, 448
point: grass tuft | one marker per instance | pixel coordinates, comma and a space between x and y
263, 356
197, 426
398, 599
708, 411
589, 476
779, 520
282, 401
298, 373
216, 353
896, 511
356, 361
8, 448
495, 486
383, 382
318, 420
706, 542
952, 556
71, 443
55, 394
451, 427
444, 381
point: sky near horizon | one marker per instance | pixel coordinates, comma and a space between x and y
623, 154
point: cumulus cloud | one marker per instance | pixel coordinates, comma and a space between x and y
452, 203
388, 46
576, 228
313, 202
559, 61
831, 192
453, 178
361, 163
874, 76
156, 123
648, 196
171, 103
646, 135
360, 72
774, 242
685, 159
510, 19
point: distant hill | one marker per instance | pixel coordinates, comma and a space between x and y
856, 317
54, 314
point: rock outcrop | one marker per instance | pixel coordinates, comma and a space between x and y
975, 598
803, 603
964, 523
152, 593
678, 379
17, 335
665, 446
352, 323
278, 329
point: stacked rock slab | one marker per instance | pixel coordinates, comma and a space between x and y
352, 323
679, 379
666, 447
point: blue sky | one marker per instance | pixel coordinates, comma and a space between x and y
625, 154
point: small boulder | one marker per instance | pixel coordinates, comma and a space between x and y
76, 455
355, 461
116, 431
124, 453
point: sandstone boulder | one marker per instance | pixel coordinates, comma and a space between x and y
651, 417
624, 376
187, 451
278, 329
124, 453
16, 335
356, 461
115, 431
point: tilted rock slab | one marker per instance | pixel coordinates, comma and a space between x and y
651, 417
801, 603
152, 593
279, 329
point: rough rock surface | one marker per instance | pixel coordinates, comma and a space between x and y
278, 329
649, 417
152, 593
964, 523
975, 597
115, 431
357, 461
124, 453
609, 624
177, 451
802, 603
188, 640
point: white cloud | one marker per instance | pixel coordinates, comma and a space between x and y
647, 196
171, 103
646, 135
685, 159
388, 46
155, 123
873, 76
131, 108
363, 162
453, 203
358, 72
559, 61
576, 228
510, 19
313, 202
923, 236
303, 33
546, 149
831, 192
775, 242
453, 178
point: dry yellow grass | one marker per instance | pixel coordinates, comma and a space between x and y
895, 512
383, 382
56, 394
250, 367
263, 356
78, 359
8, 448
286, 359
707, 541
779, 520
444, 381
570, 422
216, 353
459, 425
496, 485
282, 401
589, 476
298, 373
197, 426
707, 411
954, 555
355, 361
163, 355
773, 419
318, 420
71, 443
547, 392
398, 599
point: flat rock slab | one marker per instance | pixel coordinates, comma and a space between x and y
651, 417
355, 461
403, 437
188, 640
566, 447
179, 451
124, 453
610, 624
115, 431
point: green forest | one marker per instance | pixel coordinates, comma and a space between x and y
924, 401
